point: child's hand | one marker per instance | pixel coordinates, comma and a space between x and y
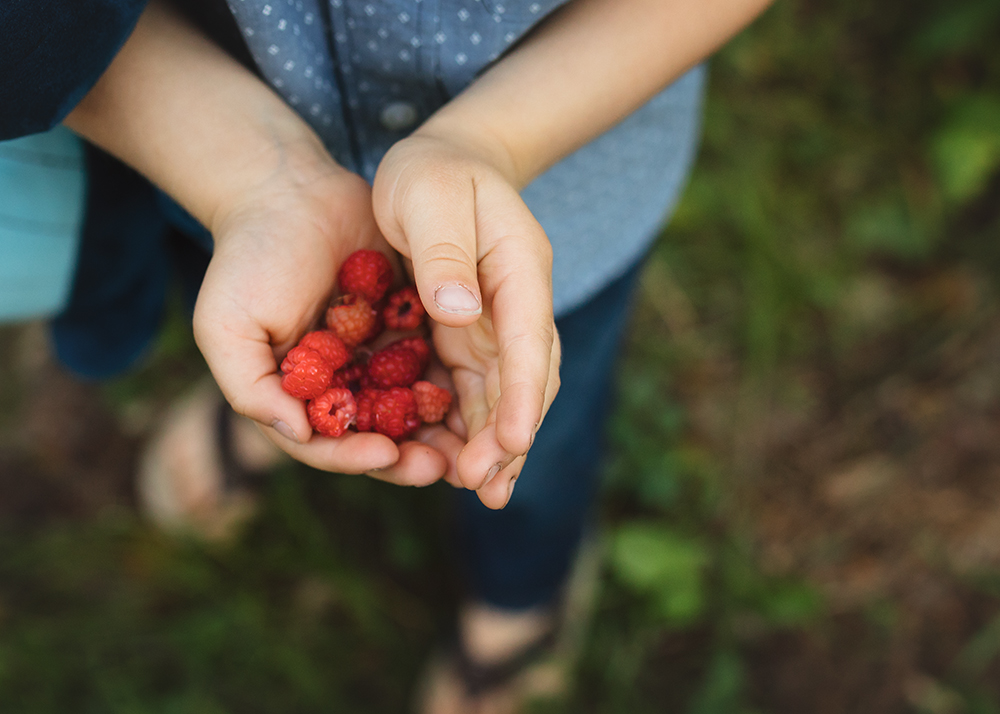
483, 268
284, 217
277, 251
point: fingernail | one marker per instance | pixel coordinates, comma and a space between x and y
285, 430
531, 439
494, 470
510, 490
457, 299
385, 466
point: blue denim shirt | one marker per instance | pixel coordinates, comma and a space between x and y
364, 73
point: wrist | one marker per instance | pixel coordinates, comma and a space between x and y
278, 164
477, 140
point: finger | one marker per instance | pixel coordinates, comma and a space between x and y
418, 465
456, 424
446, 443
470, 388
516, 405
482, 459
431, 218
517, 272
496, 494
352, 453
242, 361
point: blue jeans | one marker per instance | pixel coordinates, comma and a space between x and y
520, 556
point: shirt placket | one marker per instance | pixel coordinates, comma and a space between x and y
385, 52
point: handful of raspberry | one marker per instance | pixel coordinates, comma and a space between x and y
344, 382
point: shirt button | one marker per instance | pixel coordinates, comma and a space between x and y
398, 116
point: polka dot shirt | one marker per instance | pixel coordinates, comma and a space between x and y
364, 73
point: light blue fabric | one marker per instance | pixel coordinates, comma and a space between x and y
364, 73
42, 190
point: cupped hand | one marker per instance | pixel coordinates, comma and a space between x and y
483, 267
278, 247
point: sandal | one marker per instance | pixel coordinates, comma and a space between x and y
531, 657
479, 678
458, 683
198, 473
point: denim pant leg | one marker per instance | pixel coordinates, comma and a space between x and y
519, 556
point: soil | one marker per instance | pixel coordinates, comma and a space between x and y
881, 486
879, 483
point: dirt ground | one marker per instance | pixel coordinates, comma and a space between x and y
63, 453
878, 482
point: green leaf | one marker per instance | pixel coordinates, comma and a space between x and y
663, 565
966, 149
791, 604
886, 227
956, 28
721, 691
979, 651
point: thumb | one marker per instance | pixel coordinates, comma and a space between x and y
432, 221
242, 361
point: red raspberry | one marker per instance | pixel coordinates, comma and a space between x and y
353, 320
398, 367
332, 412
332, 349
307, 374
395, 413
433, 402
353, 377
404, 310
419, 346
366, 273
365, 400
296, 355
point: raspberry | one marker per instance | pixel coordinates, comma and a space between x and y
365, 400
404, 310
395, 413
353, 377
398, 367
433, 402
419, 346
307, 374
361, 390
353, 320
332, 349
296, 355
332, 412
366, 273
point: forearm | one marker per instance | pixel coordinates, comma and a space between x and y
194, 121
587, 67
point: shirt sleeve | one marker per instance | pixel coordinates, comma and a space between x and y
53, 53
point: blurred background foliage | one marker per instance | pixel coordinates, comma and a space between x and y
802, 510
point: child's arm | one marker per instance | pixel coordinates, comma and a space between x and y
283, 215
584, 69
587, 67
